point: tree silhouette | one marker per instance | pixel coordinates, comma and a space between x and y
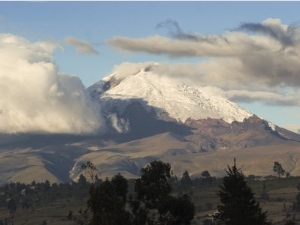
238, 205
154, 191
107, 202
277, 168
82, 182
207, 179
152, 202
205, 174
120, 185
12, 206
177, 210
90, 171
153, 184
186, 181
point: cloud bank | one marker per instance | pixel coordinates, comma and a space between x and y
262, 58
35, 97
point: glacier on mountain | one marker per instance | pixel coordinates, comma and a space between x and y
164, 95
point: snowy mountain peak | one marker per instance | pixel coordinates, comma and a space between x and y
164, 94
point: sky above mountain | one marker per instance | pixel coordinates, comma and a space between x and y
247, 52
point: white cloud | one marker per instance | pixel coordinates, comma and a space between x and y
35, 97
292, 127
82, 47
262, 58
213, 76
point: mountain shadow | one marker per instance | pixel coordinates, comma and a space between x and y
143, 121
36, 140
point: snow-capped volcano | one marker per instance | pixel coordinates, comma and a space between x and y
164, 95
151, 116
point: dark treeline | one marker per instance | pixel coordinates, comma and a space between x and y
157, 197
28, 195
14, 196
40, 193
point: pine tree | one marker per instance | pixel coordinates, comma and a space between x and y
238, 205
107, 202
154, 192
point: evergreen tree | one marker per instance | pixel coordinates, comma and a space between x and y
107, 202
154, 198
176, 211
153, 184
120, 184
152, 202
238, 205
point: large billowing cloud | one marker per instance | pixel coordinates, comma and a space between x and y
35, 97
262, 58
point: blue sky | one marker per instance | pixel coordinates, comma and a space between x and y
69, 24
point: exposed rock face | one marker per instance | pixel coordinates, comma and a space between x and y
215, 134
